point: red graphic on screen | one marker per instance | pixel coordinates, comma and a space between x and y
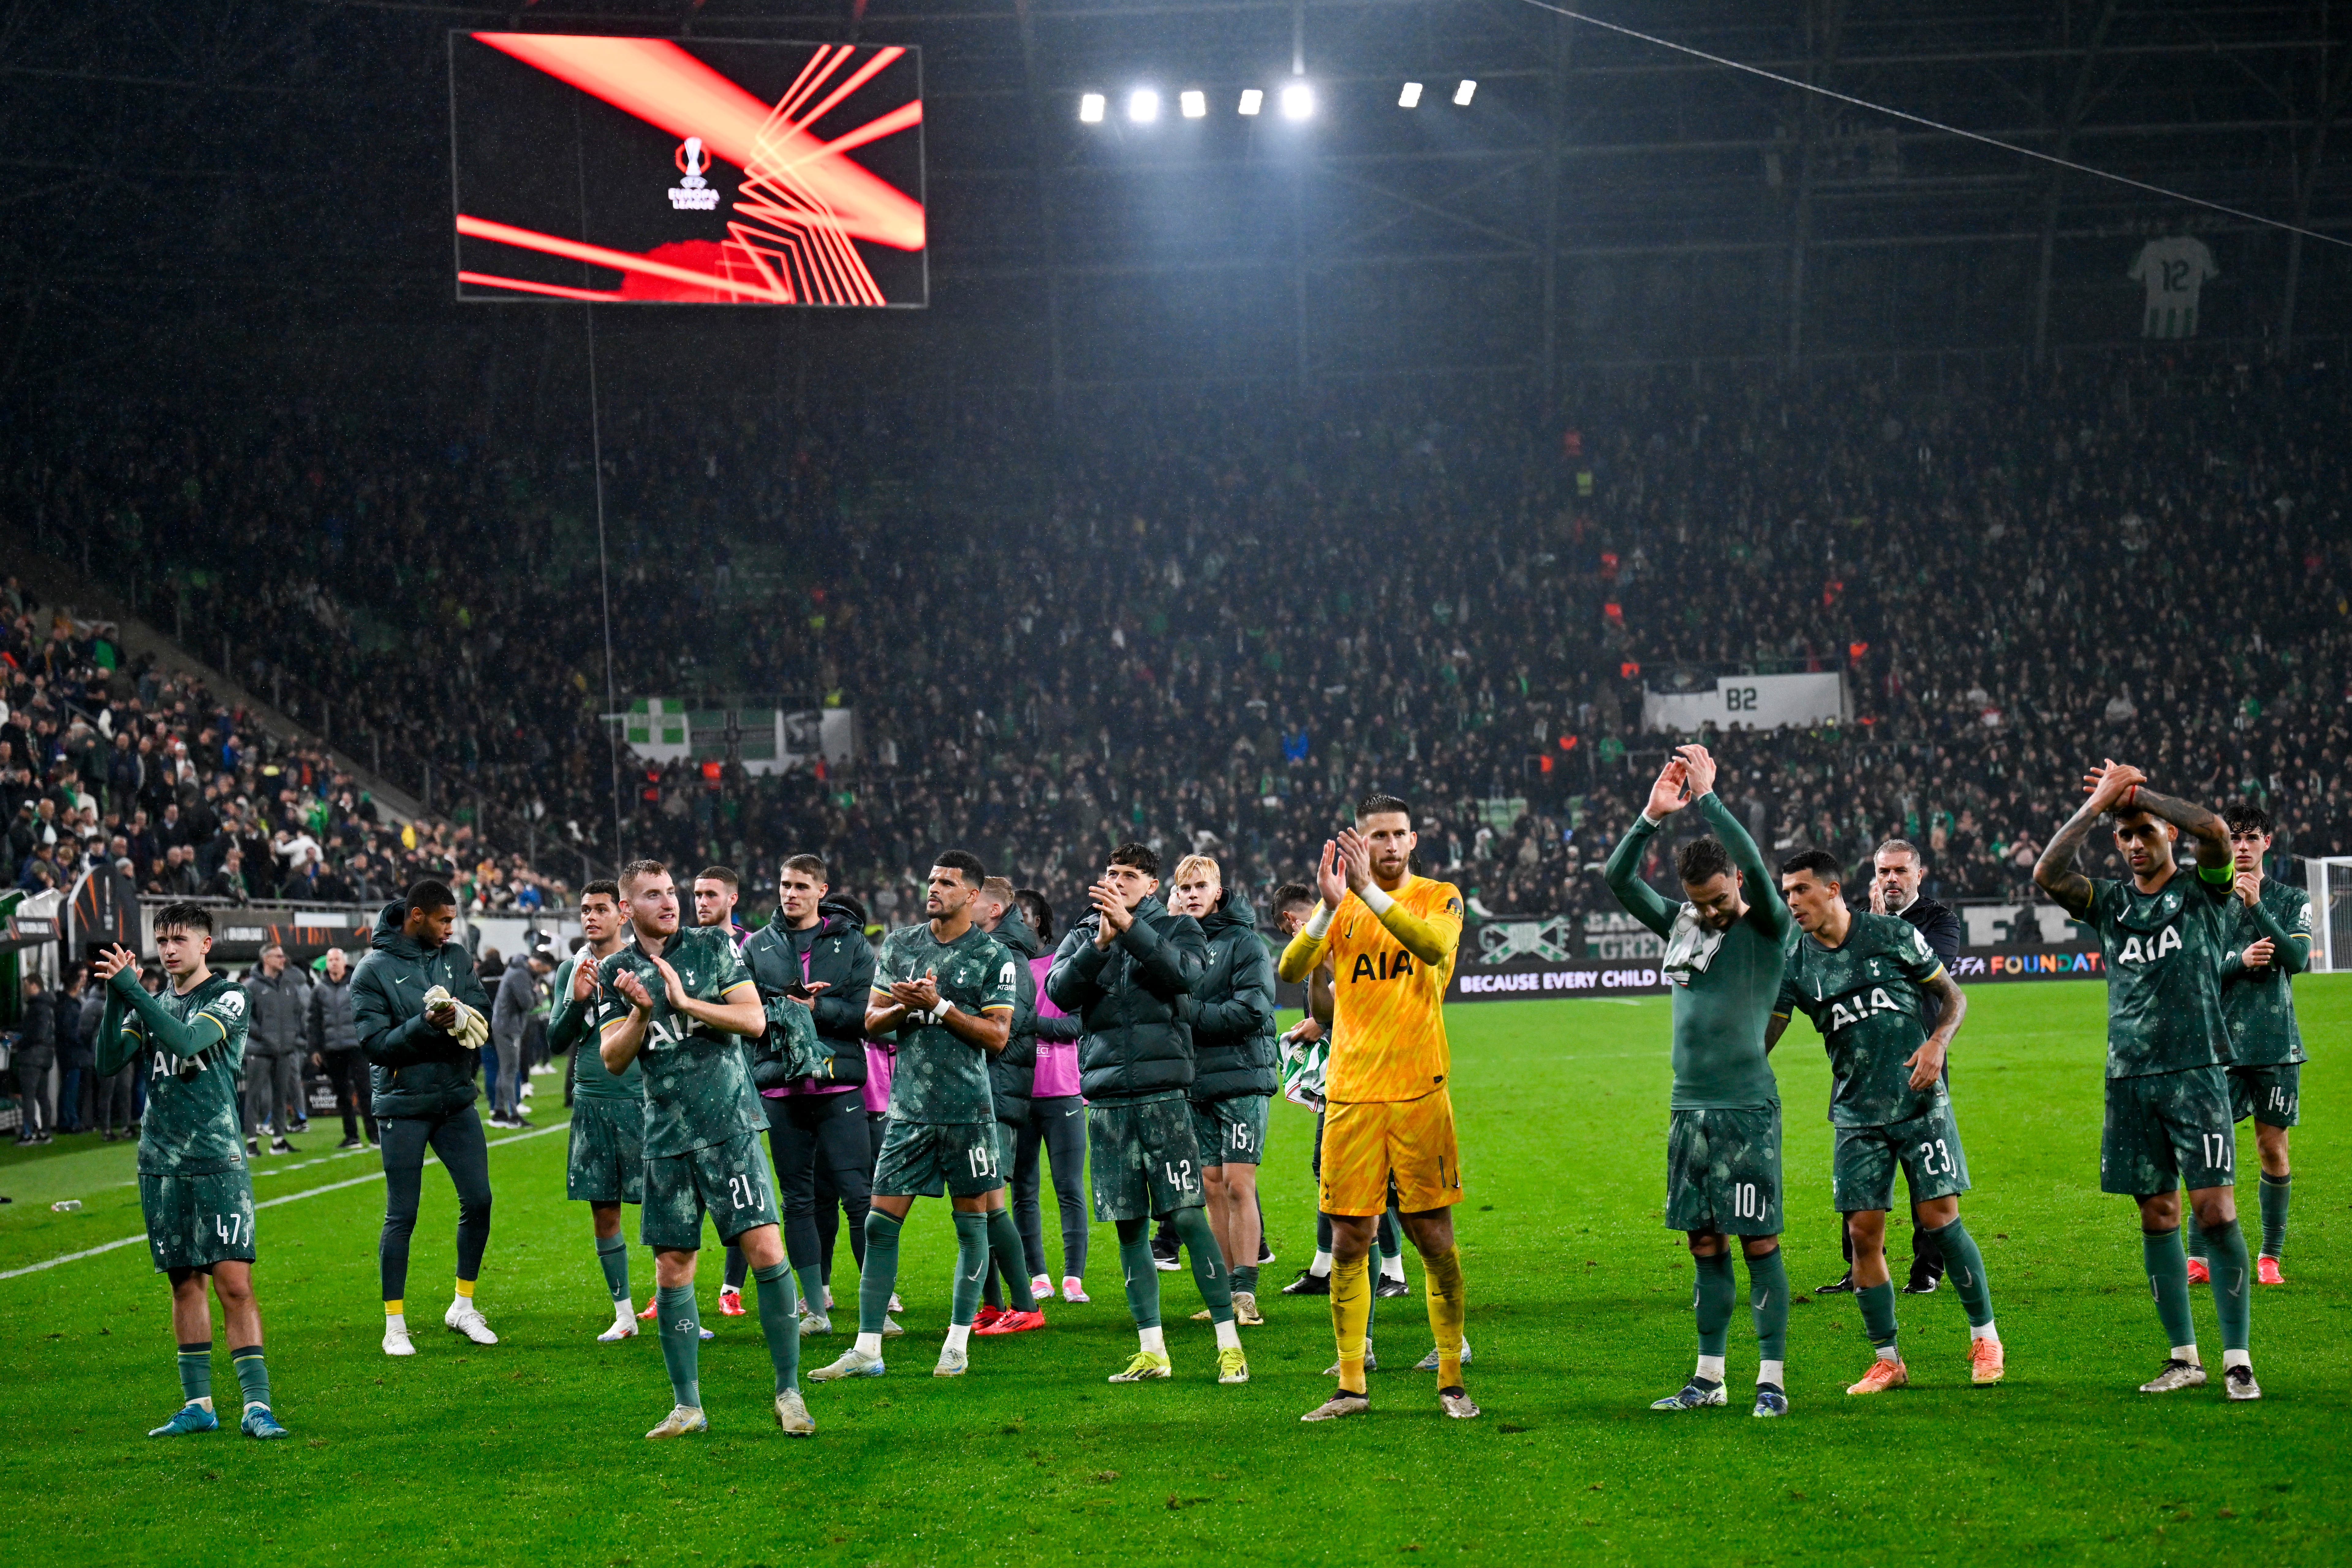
801, 202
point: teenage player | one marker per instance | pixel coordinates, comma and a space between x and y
1232, 1014
946, 990
2270, 941
423, 1019
1723, 959
2168, 1088
1127, 970
1387, 1116
196, 1192
681, 1002
606, 1166
1886, 1011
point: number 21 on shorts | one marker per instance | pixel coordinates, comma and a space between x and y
740, 1192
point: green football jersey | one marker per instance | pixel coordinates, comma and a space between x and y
190, 1127
590, 1076
1867, 997
697, 1079
2164, 952
939, 1078
2259, 1004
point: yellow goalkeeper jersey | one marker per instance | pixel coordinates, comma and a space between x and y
1388, 1021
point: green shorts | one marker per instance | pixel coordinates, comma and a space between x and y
1723, 1171
607, 1160
1231, 1131
2269, 1093
1143, 1158
194, 1222
923, 1159
730, 1182
2167, 1130
1927, 1146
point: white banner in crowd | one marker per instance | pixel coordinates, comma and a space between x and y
1752, 702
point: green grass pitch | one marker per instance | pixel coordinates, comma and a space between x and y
1579, 1315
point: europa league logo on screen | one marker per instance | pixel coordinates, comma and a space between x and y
692, 194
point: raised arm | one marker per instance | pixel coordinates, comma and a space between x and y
2290, 950
2210, 834
2056, 872
199, 1034
1766, 908
1623, 872
118, 1042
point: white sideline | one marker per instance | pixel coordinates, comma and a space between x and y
268, 1204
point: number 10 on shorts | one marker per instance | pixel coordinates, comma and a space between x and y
1746, 1201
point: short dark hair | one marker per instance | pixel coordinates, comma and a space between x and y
1820, 862
1036, 911
964, 863
1377, 804
639, 870
2246, 818
1702, 861
813, 865
1139, 856
1901, 846
719, 874
184, 916
1288, 893
604, 885
430, 894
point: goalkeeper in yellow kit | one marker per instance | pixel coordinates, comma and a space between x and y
1391, 936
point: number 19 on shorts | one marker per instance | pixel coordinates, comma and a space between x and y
981, 1157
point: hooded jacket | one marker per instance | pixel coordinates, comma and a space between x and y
414, 1068
278, 1013
1012, 1075
1230, 1009
1132, 1039
838, 954
331, 1025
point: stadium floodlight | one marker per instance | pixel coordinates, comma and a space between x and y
1195, 102
1467, 90
1143, 106
1090, 109
1251, 100
1298, 102
1411, 96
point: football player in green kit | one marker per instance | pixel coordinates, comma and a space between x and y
2164, 932
1886, 1011
680, 1004
195, 1191
1723, 1143
2270, 942
946, 990
606, 1166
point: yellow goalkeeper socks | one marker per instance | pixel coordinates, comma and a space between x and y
1442, 1277
1351, 1312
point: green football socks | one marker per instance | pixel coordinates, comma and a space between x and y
879, 1275
1877, 1303
196, 1371
811, 1288
1139, 1273
1718, 1288
970, 1267
780, 1324
1767, 1298
613, 1256
2274, 1194
2192, 1235
1964, 1267
1004, 1244
1208, 1263
1246, 1278
2168, 1280
2234, 1279
252, 1375
681, 1341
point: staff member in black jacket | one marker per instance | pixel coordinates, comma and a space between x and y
1013, 1082
335, 1047
1896, 872
1231, 1011
816, 951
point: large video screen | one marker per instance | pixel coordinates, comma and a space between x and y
677, 171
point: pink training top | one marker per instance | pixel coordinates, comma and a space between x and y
881, 1057
1057, 1060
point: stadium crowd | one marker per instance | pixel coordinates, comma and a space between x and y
1210, 626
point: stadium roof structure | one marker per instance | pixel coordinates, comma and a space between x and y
1600, 200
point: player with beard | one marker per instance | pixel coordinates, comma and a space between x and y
682, 1003
605, 1164
1723, 958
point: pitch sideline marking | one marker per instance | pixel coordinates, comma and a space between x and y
268, 1204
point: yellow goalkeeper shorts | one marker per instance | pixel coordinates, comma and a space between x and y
1367, 1142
